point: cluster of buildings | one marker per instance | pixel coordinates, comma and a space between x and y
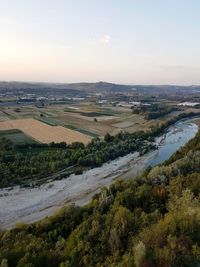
189, 104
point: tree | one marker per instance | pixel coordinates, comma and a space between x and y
108, 138
139, 253
4, 263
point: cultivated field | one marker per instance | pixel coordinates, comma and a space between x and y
88, 118
17, 137
44, 133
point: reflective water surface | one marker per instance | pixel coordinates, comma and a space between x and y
175, 137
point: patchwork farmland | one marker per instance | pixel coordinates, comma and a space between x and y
44, 133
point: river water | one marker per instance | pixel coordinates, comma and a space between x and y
175, 137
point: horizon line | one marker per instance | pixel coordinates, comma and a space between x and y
95, 82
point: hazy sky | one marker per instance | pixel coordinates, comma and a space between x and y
125, 41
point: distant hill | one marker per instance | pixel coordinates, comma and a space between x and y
83, 86
86, 87
100, 86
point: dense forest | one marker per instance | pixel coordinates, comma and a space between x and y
31, 164
153, 220
23, 164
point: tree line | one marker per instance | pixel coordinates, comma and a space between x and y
154, 110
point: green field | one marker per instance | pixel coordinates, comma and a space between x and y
72, 127
97, 114
17, 137
49, 120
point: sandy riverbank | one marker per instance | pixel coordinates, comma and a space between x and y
29, 205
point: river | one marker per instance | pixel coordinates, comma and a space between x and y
168, 143
175, 137
33, 204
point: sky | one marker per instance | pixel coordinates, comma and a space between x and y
122, 41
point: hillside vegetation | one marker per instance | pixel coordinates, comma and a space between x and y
153, 220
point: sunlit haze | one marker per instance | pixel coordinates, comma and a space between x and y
131, 41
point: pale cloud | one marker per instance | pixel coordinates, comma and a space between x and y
105, 39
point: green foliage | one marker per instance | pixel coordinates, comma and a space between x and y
139, 253
20, 164
154, 111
